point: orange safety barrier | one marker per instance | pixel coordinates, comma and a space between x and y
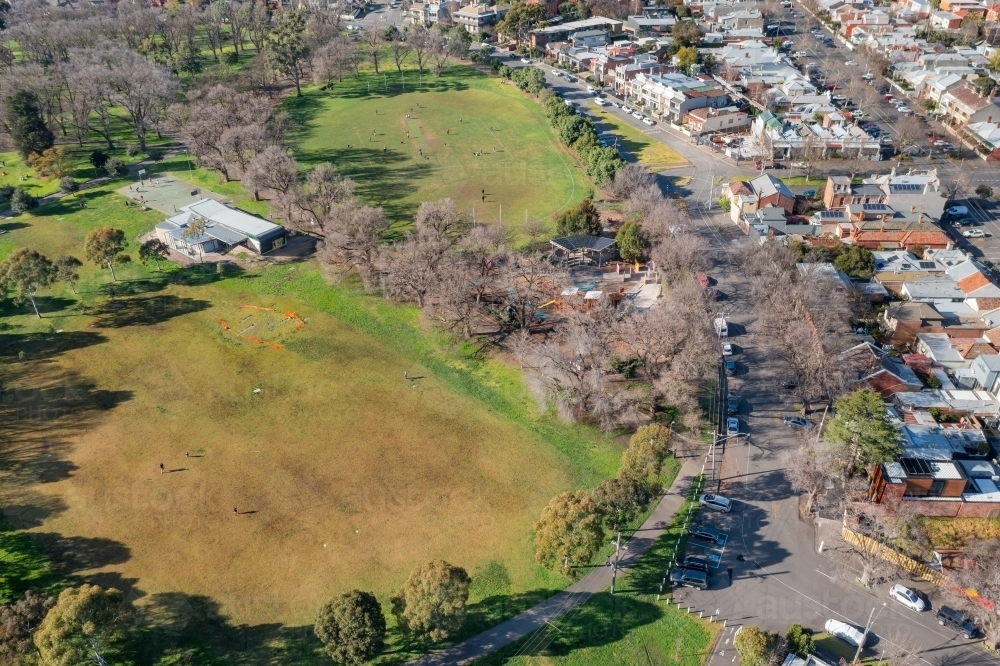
272, 345
256, 307
224, 325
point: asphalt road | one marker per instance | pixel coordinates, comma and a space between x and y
381, 15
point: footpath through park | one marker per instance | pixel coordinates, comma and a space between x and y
579, 592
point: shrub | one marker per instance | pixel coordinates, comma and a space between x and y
154, 154
800, 640
583, 219
626, 367
132, 149
68, 185
114, 167
6, 191
725, 204
21, 201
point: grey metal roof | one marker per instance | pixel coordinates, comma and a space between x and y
571, 243
227, 236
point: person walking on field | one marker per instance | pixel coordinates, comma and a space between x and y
161, 468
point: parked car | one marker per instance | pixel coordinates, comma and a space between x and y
796, 421
590, 89
599, 102
556, 72
626, 108
848, 633
637, 115
905, 110
648, 121
799, 165
850, 63
695, 562
732, 426
956, 621
525, 61
730, 367
888, 97
727, 349
732, 404
717, 502
907, 597
790, 384
689, 578
957, 211
706, 533
974, 233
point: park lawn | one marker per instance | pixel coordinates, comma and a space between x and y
349, 474
522, 167
649, 152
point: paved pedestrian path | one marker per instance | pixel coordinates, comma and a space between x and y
579, 592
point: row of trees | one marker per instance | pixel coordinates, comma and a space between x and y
571, 529
578, 132
431, 604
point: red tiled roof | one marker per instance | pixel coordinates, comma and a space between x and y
970, 283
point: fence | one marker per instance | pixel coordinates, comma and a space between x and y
890, 555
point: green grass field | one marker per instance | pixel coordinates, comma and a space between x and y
432, 155
649, 152
348, 474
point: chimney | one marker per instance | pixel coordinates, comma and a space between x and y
920, 217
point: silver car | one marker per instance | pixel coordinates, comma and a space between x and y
908, 598
717, 502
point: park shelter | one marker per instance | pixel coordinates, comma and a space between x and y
225, 228
583, 249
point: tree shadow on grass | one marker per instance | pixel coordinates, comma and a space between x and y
42, 346
146, 311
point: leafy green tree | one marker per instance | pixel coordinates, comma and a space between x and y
521, 18
104, 245
757, 647
603, 164
556, 109
862, 427
647, 449
569, 531
154, 249
287, 50
24, 271
618, 499
856, 261
21, 200
984, 192
351, 627
630, 242
88, 624
686, 56
800, 640
114, 167
573, 127
66, 270
432, 601
28, 131
98, 158
583, 219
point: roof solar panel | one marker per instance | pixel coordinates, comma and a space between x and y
927, 264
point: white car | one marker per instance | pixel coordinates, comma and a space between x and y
847, 632
626, 108
590, 89
799, 165
556, 72
850, 63
908, 598
637, 115
616, 105
717, 502
599, 102
974, 233
648, 121
525, 61
727, 349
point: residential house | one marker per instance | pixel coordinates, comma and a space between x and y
741, 20
964, 8
986, 136
964, 105
917, 191
964, 485
917, 8
624, 74
670, 96
649, 26
747, 196
224, 229
476, 18
712, 120
879, 227
964, 289
940, 20
561, 32
867, 365
840, 193
551, 8
430, 13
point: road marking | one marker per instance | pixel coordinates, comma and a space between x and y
823, 574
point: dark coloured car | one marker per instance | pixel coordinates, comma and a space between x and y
730, 367
694, 562
689, 578
732, 404
956, 621
706, 533
796, 421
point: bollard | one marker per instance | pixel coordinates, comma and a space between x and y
711, 618
821, 546
700, 614
724, 623
678, 605
657, 597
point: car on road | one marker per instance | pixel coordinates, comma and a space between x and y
616, 105
905, 110
590, 89
689, 578
599, 102
732, 404
730, 367
568, 102
957, 211
964, 221
850, 63
716, 502
569, 77
888, 97
848, 633
907, 597
974, 233
956, 621
796, 421
790, 384
732, 426
648, 121
637, 115
706, 533
727, 349
556, 72
695, 562
525, 61
868, 77
626, 108
799, 54
799, 165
